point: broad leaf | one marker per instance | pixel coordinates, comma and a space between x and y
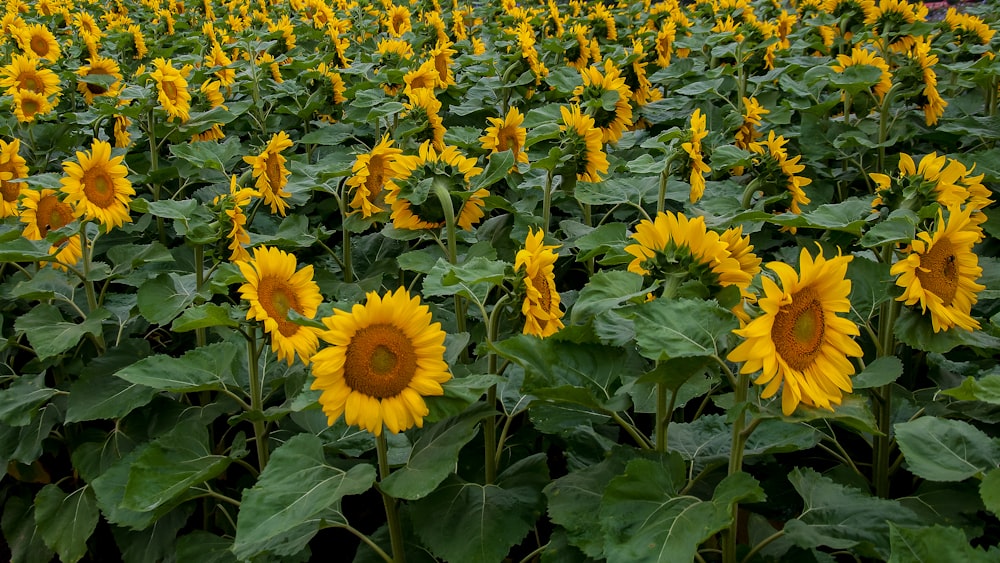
604, 291
50, 334
66, 521
207, 367
931, 544
293, 490
202, 547
677, 328
706, 441
916, 330
19, 403
939, 449
204, 316
989, 491
985, 389
880, 372
19, 530
165, 296
96, 396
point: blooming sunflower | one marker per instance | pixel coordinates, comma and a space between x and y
139, 41
99, 66
506, 133
423, 115
930, 99
778, 170
38, 41
940, 271
753, 113
123, 139
424, 76
273, 287
673, 245
97, 185
541, 303
583, 142
447, 166
28, 105
594, 94
23, 73
384, 357
12, 167
173, 89
442, 54
798, 339
369, 176
695, 157
218, 58
270, 172
861, 56
232, 206
397, 20
43, 212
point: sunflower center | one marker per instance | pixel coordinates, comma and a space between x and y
938, 272
10, 190
99, 188
32, 83
272, 167
380, 361
39, 45
52, 214
30, 107
541, 283
506, 140
798, 330
376, 175
96, 89
277, 299
170, 90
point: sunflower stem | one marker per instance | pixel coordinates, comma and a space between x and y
739, 440
348, 263
490, 424
547, 201
440, 188
391, 513
88, 284
199, 276
154, 164
257, 399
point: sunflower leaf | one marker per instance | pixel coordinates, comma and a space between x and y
605, 291
165, 296
19, 403
201, 369
939, 449
677, 328
928, 543
915, 330
499, 166
66, 521
50, 334
882, 371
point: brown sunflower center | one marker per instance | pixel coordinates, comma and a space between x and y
938, 272
99, 187
376, 175
39, 45
30, 107
170, 90
10, 190
798, 329
96, 89
380, 361
506, 140
31, 82
272, 167
422, 81
541, 283
52, 214
277, 298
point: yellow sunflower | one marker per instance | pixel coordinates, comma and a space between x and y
123, 139
43, 212
270, 172
930, 99
139, 41
665, 38
940, 271
935, 179
424, 76
584, 143
369, 176
799, 339
273, 287
23, 73
173, 89
506, 133
448, 166
12, 167
753, 113
778, 170
442, 54
695, 157
97, 185
397, 20
424, 118
673, 245
232, 206
28, 105
212, 90
218, 58
578, 53
595, 92
36, 40
541, 309
99, 66
384, 357
860, 56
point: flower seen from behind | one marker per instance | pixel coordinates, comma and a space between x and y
12, 167
582, 141
383, 358
369, 176
449, 167
696, 158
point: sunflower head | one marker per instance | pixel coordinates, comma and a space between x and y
935, 179
505, 134
605, 97
776, 173
102, 77
36, 40
542, 314
581, 145
382, 359
96, 184
12, 167
29, 105
422, 113
44, 212
270, 172
369, 176
418, 179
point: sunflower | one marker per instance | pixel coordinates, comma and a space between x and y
776, 169
97, 185
602, 21
753, 113
442, 54
860, 56
596, 92
934, 179
28, 105
12, 167
23, 73
664, 43
173, 89
582, 140
217, 58
232, 206
273, 287
212, 90
968, 29
384, 357
43, 212
36, 40
741, 250
940, 271
87, 25
270, 172
429, 165
541, 303
643, 91
123, 139
99, 66
397, 20
930, 99
369, 176
696, 159
675, 246
798, 339
138, 41
423, 77
423, 116
578, 54
505, 134
526, 41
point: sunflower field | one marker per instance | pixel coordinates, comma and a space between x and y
515, 281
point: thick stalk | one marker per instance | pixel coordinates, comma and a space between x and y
888, 312
391, 512
739, 440
440, 187
154, 164
547, 201
348, 263
490, 424
257, 399
88, 284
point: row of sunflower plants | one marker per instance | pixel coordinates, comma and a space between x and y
556, 282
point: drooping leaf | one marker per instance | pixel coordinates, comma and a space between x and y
207, 367
985, 389
939, 449
470, 279
156, 543
66, 521
677, 328
915, 330
21, 534
20, 401
295, 488
930, 544
880, 372
706, 442
492, 518
50, 334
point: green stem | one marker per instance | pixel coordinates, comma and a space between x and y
154, 165
748, 193
664, 412
257, 399
547, 201
366, 540
889, 311
348, 264
440, 187
490, 424
88, 284
391, 513
641, 440
199, 276
736, 461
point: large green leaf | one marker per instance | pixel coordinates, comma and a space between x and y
96, 396
842, 517
497, 169
989, 491
604, 291
706, 441
50, 334
939, 449
165, 296
109, 488
156, 543
678, 328
19, 403
66, 521
985, 389
434, 455
204, 316
870, 283
882, 371
916, 330
931, 544
202, 547
462, 521
647, 519
19, 530
471, 279
295, 488
585, 374
207, 367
